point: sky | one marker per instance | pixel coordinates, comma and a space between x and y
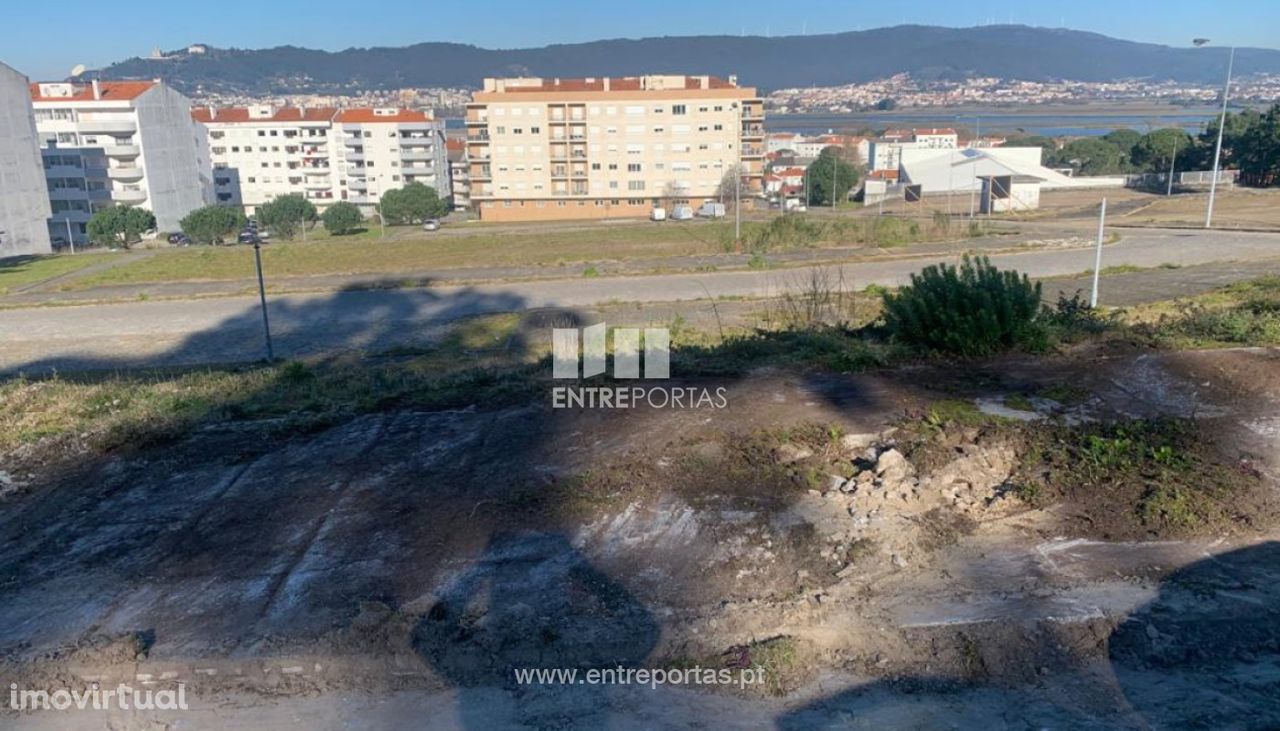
45, 46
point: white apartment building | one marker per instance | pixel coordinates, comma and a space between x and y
886, 152
118, 143
24, 198
609, 147
262, 152
385, 149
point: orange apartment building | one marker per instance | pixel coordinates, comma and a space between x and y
543, 149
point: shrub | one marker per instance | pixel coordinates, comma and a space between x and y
974, 309
212, 224
342, 218
287, 214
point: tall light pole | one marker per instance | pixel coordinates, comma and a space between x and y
1222, 124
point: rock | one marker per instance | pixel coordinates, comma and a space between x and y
851, 443
892, 460
849, 486
5, 479
899, 561
835, 482
788, 453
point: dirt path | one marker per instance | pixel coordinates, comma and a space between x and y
401, 564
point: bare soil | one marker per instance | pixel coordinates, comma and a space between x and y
869, 539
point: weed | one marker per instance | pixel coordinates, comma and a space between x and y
590, 272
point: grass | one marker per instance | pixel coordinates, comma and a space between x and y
21, 271
367, 253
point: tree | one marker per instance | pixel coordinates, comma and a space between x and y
1092, 156
413, 203
830, 168
1258, 150
1122, 139
212, 224
342, 218
1155, 150
887, 104
286, 214
119, 225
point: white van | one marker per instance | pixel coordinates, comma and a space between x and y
681, 213
658, 214
711, 210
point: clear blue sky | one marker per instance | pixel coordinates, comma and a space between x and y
45, 41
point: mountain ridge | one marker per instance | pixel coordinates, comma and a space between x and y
929, 52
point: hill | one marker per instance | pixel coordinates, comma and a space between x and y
1009, 51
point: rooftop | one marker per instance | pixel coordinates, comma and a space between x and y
527, 84
235, 115
62, 91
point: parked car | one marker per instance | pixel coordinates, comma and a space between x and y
681, 213
248, 237
431, 224
179, 238
658, 214
711, 210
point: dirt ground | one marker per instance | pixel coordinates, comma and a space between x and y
866, 539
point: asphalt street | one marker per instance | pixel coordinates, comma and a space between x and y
229, 329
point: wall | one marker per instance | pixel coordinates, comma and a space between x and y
24, 199
170, 155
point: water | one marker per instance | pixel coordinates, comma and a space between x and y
1048, 124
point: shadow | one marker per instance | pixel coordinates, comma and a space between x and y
1205, 652
447, 536
532, 601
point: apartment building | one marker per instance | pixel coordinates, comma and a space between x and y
385, 149
609, 147
886, 153
24, 197
262, 152
459, 173
118, 143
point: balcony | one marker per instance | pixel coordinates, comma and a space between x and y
353, 141
122, 150
107, 126
478, 139
68, 194
481, 172
417, 155
354, 156
316, 170
357, 183
124, 172
418, 141
312, 152
317, 184
752, 151
121, 195
753, 130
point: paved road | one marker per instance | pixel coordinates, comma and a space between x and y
229, 329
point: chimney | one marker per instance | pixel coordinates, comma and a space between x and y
97, 90
213, 112
606, 83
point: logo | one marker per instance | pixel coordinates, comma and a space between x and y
638, 354
626, 352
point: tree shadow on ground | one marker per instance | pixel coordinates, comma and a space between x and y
228, 537
1203, 653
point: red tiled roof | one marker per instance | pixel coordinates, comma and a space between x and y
108, 90
366, 115
616, 83
234, 115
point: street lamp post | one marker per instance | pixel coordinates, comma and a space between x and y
1222, 124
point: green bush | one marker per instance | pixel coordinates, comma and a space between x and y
342, 218
974, 309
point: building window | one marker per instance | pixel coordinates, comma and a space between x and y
679, 109
633, 167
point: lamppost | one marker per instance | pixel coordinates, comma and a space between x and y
1222, 124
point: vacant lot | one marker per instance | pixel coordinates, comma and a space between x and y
19, 271
1236, 208
366, 254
